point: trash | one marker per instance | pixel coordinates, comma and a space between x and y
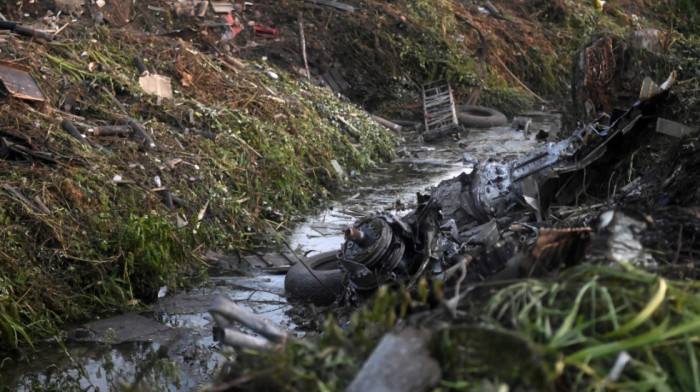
69, 5
273, 75
521, 124
265, 33
619, 233
674, 129
221, 7
16, 80
386, 123
162, 291
401, 362
338, 169
650, 89
26, 31
439, 110
157, 84
333, 4
622, 360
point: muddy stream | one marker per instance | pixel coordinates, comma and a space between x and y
170, 346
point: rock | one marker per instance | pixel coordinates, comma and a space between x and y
400, 363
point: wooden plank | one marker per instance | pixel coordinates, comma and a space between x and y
272, 260
221, 7
19, 82
277, 259
333, 4
255, 261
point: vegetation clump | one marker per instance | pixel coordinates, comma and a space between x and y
105, 238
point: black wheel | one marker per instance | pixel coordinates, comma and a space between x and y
475, 116
300, 283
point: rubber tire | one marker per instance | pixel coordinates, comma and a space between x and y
301, 284
474, 116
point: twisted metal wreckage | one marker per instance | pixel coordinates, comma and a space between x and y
478, 219
474, 227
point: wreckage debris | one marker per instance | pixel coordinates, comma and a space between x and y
333, 4
671, 128
18, 28
16, 80
475, 116
465, 220
439, 110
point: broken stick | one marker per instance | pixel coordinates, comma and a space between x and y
21, 198
223, 307
139, 134
519, 81
387, 123
70, 128
302, 43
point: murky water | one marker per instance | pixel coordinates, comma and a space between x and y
180, 354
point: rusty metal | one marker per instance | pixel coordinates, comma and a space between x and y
439, 110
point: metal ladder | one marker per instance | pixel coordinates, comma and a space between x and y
439, 109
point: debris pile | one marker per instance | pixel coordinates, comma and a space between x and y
469, 250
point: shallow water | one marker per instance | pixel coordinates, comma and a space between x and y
181, 355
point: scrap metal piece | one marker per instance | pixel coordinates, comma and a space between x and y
16, 80
674, 129
333, 4
439, 110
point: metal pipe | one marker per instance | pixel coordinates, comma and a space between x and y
357, 236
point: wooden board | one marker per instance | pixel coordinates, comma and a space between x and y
16, 80
271, 260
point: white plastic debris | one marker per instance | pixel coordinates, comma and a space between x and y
622, 360
117, 178
162, 291
156, 180
272, 75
